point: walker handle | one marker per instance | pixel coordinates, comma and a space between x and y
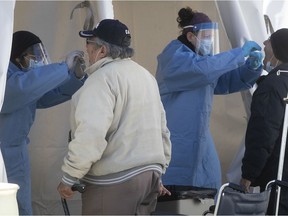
78, 187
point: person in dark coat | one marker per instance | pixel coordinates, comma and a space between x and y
264, 130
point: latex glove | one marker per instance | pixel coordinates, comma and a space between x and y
76, 63
246, 184
79, 67
254, 60
250, 46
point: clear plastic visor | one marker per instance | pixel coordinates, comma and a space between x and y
207, 38
38, 53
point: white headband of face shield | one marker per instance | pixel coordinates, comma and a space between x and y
189, 26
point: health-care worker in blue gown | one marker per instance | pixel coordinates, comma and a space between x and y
31, 83
188, 75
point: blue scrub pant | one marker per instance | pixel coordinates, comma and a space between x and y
16, 159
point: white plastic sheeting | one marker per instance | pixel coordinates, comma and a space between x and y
7, 18
3, 176
242, 21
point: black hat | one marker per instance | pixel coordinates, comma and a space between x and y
21, 41
111, 31
279, 43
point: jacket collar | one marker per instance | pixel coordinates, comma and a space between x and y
283, 66
99, 64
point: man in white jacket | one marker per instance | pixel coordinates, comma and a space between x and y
120, 142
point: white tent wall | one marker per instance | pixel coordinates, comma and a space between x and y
152, 25
7, 18
243, 20
277, 12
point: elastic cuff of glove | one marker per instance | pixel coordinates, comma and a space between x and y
259, 68
80, 77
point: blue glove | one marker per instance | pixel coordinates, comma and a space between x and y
250, 46
254, 61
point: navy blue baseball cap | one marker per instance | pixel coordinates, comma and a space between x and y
111, 31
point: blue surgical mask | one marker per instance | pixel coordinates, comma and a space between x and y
34, 64
205, 46
269, 67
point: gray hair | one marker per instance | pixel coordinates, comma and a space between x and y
114, 51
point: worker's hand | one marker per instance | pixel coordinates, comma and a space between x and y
76, 63
250, 46
254, 61
246, 184
163, 191
65, 191
79, 68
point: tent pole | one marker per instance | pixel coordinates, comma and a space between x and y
283, 147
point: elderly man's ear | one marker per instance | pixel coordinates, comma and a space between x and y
103, 52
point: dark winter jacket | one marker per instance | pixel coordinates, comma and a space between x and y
264, 135
264, 131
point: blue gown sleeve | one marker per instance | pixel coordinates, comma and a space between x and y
237, 80
22, 87
180, 69
62, 93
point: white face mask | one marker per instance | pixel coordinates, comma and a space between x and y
89, 70
95, 59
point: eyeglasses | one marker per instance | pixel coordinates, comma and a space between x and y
89, 41
29, 56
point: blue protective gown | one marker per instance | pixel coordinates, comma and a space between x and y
187, 83
41, 87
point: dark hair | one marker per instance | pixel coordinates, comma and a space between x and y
115, 51
187, 16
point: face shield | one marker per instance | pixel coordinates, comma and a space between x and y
207, 38
34, 56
